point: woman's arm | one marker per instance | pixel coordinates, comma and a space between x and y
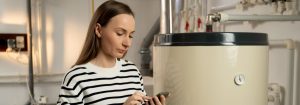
69, 97
70, 90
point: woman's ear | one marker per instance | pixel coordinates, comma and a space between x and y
98, 30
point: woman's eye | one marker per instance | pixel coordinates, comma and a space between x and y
130, 36
119, 34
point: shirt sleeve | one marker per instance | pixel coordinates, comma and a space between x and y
140, 78
142, 84
69, 93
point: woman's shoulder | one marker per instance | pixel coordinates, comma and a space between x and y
125, 63
77, 71
77, 68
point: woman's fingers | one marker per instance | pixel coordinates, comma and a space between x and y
147, 103
156, 100
151, 102
141, 97
146, 98
135, 103
138, 98
162, 99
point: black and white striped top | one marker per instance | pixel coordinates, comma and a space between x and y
89, 84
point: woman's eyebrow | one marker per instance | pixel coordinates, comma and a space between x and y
124, 30
132, 32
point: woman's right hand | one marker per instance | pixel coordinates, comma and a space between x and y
137, 98
157, 100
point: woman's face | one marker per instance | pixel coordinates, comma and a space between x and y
116, 36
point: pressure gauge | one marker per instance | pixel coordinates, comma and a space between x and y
239, 79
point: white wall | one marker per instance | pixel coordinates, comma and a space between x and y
12, 20
62, 32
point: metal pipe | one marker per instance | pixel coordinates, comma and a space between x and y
149, 37
30, 62
170, 17
145, 50
227, 17
210, 20
163, 20
166, 17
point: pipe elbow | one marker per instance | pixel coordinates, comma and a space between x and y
290, 44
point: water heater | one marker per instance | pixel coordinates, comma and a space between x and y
217, 68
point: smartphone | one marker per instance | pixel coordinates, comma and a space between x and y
166, 94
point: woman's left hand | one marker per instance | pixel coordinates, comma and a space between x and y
156, 101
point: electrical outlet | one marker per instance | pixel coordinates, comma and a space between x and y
13, 40
42, 100
20, 43
11, 43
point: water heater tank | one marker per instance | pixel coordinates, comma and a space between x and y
227, 68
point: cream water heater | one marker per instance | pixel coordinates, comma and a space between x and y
217, 68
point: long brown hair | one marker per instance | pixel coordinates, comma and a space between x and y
102, 15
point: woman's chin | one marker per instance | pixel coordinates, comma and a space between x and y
119, 55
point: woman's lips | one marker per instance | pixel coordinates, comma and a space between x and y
122, 51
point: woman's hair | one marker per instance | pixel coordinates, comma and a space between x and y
102, 15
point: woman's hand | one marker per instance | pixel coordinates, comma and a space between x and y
156, 101
137, 98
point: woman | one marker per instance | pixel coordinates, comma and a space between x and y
100, 76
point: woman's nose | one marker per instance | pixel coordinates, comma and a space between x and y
127, 42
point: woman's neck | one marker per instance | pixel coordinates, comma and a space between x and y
104, 60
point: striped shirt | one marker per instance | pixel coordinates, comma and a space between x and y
89, 84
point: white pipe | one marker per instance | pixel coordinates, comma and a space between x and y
285, 43
293, 56
204, 8
291, 78
295, 96
223, 8
294, 6
229, 17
